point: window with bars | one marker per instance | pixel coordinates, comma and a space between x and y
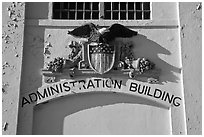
102, 10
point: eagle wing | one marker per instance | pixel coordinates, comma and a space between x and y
118, 30
84, 31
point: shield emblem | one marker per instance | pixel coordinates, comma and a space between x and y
101, 57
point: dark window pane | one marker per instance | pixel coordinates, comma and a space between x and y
83, 10
147, 15
107, 5
146, 6
115, 16
79, 15
79, 5
130, 5
56, 5
95, 6
130, 15
87, 6
122, 5
95, 15
56, 15
65, 5
107, 15
72, 5
115, 5
87, 15
72, 15
64, 15
122, 15
138, 6
138, 15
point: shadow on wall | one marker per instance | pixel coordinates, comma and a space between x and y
33, 47
149, 49
33, 61
143, 47
36, 10
48, 118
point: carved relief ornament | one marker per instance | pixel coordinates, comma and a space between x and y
95, 54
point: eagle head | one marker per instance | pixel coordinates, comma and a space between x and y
103, 30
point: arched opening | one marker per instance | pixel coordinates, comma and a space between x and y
101, 113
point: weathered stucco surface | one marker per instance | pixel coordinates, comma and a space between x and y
35, 38
12, 45
162, 41
191, 43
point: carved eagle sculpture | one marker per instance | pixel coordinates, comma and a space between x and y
103, 35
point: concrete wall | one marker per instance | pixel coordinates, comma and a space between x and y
191, 42
158, 42
12, 47
35, 38
100, 113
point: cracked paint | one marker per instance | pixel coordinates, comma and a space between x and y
12, 36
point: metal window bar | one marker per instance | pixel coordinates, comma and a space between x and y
127, 14
142, 6
96, 10
139, 10
75, 11
84, 11
101, 10
60, 9
118, 11
123, 10
67, 10
91, 4
115, 10
111, 17
135, 13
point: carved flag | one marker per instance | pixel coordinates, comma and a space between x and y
101, 57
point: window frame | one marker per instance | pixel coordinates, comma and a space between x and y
101, 14
156, 22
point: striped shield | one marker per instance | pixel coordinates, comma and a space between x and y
101, 57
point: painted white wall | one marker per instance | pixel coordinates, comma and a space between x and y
119, 119
33, 61
191, 43
12, 53
160, 44
101, 113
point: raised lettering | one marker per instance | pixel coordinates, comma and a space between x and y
90, 84
82, 81
163, 95
176, 103
118, 84
143, 88
157, 91
60, 87
24, 101
31, 99
73, 83
109, 86
148, 93
146, 88
42, 96
53, 89
97, 81
133, 87
168, 96
67, 88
